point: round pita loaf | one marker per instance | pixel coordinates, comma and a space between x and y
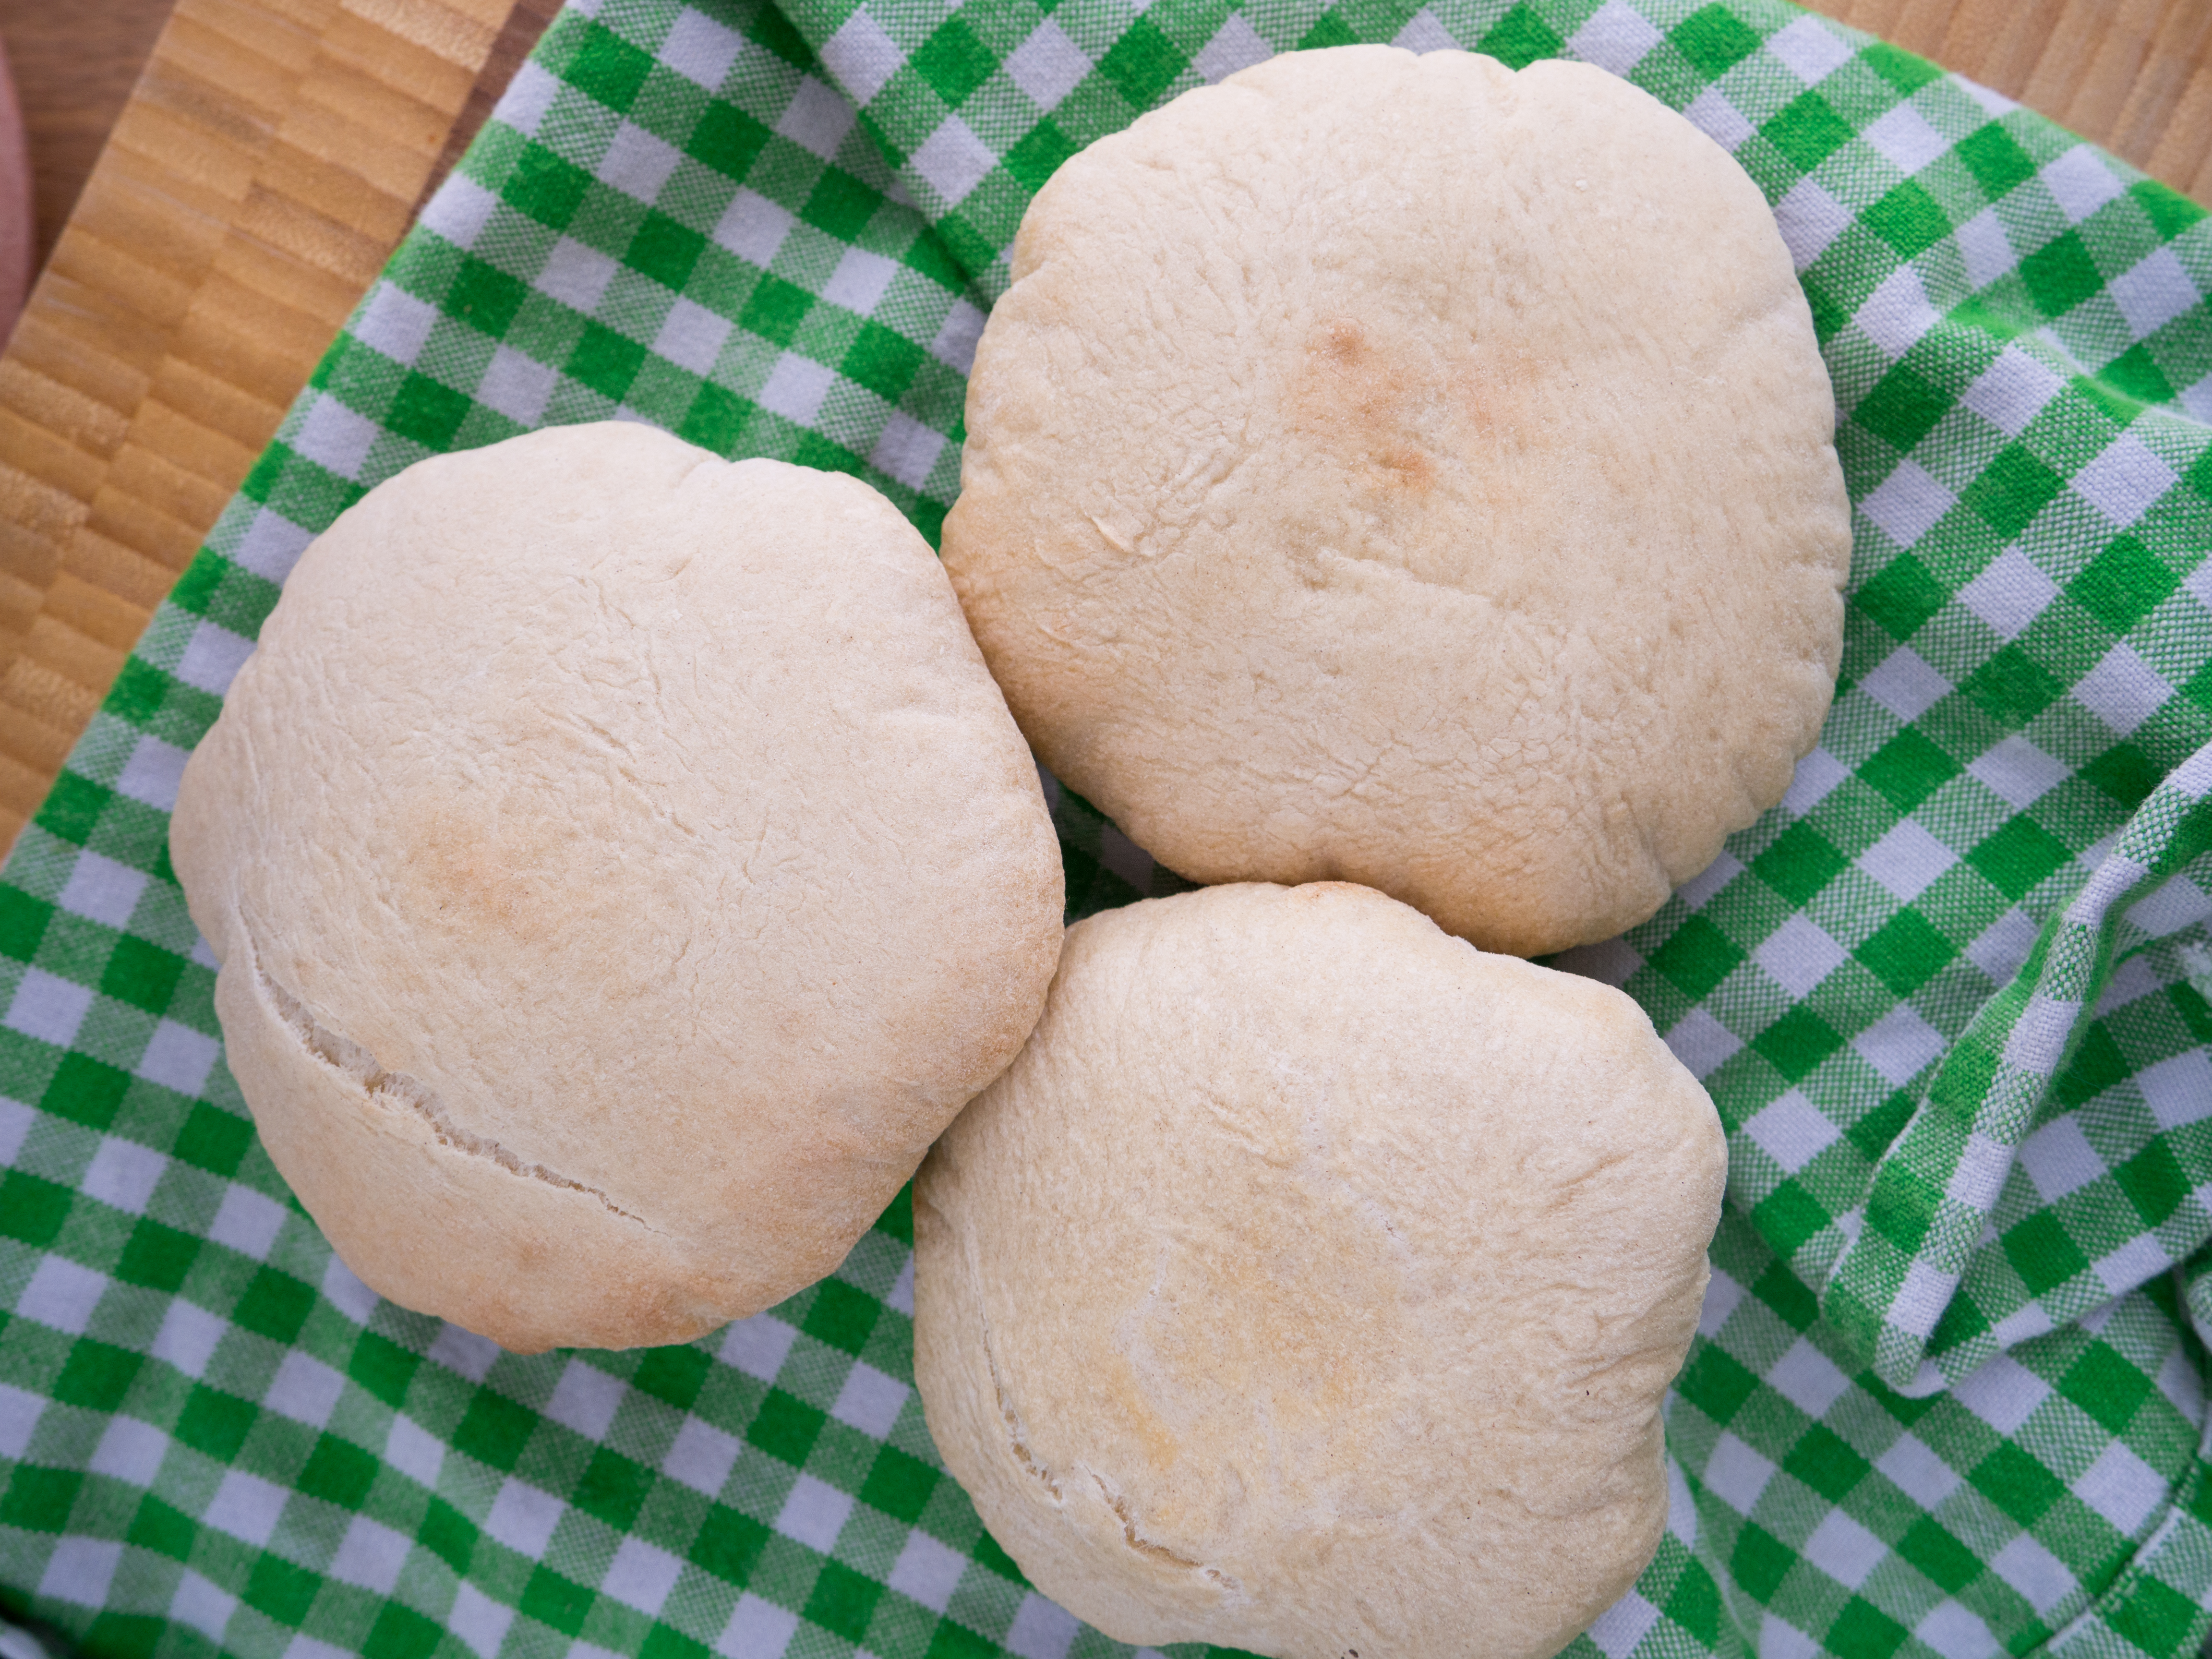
1311, 1280
1402, 470
623, 867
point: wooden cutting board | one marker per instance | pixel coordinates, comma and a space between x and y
275, 150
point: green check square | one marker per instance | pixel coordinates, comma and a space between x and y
2060, 274
72, 808
1143, 64
2135, 381
1905, 952
953, 61
484, 297
160, 1528
1715, 40
2096, 1065
664, 1642
216, 1423
282, 1590
728, 140
786, 1427
339, 1472
1521, 38
674, 1376
1909, 219
142, 975
383, 1367
1903, 408
840, 205
729, 1544
605, 360
1715, 1382
2012, 489
1995, 159
448, 1535
2154, 1183
1903, 595
86, 1090
156, 1256
275, 1305
2043, 1252
2123, 585
613, 1488
32, 1210
2155, 1617
98, 1375
553, 1600
494, 1429
776, 310
1807, 131
1863, 1631
2016, 1483
400, 1633
1039, 154
843, 1601
1696, 957
606, 67
1329, 29
1801, 863
900, 1485
546, 186
1761, 1561
2019, 857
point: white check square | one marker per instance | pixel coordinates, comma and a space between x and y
2009, 593
123, 1174
861, 55
247, 1221
1047, 65
1907, 503
817, 118
100, 889
61, 1295
1905, 138
1809, 49
48, 1008
952, 160
177, 1057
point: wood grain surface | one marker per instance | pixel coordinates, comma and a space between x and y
258, 176
275, 150
75, 63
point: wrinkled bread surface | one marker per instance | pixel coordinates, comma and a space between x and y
622, 866
1403, 471
1311, 1280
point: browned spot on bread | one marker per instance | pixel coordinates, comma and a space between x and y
1361, 405
497, 869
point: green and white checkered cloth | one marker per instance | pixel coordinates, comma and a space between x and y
1951, 996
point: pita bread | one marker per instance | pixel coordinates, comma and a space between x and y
622, 866
1404, 471
1311, 1280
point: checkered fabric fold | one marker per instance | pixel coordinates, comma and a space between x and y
1951, 996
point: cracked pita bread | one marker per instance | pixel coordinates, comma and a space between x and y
1403, 471
622, 866
1311, 1280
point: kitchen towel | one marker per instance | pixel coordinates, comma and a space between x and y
1951, 996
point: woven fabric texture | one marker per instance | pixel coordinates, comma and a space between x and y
1951, 996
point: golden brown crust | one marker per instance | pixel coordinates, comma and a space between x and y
623, 865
